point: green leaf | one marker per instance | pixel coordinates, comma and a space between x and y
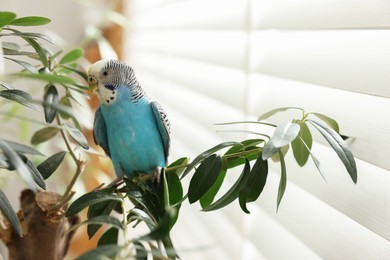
72, 56
19, 96
206, 154
247, 145
14, 159
50, 99
5, 85
110, 237
105, 220
318, 165
283, 179
9, 212
174, 189
204, 177
77, 136
99, 209
147, 198
283, 135
235, 149
329, 121
45, 77
24, 64
145, 201
339, 146
233, 192
103, 252
6, 18
315, 160
65, 102
35, 173
30, 21
78, 72
255, 183
11, 45
140, 215
140, 251
31, 35
276, 110
162, 229
276, 158
302, 144
173, 194
90, 199
240, 159
44, 134
9, 93
48, 167
38, 48
3, 163
9, 52
257, 179
252, 142
21, 148
65, 70
209, 196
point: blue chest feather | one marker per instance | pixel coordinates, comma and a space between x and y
134, 141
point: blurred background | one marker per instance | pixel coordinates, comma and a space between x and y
212, 61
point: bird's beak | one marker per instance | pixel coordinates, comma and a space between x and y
93, 84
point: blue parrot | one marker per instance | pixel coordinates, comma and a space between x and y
132, 130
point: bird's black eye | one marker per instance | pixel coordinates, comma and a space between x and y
105, 73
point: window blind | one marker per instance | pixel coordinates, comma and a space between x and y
217, 61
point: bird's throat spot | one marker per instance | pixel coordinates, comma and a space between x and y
110, 99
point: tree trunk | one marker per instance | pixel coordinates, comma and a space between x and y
44, 232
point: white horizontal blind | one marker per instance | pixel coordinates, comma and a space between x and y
209, 61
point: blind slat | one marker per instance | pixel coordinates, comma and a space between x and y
320, 14
357, 61
217, 82
329, 233
201, 45
359, 202
188, 13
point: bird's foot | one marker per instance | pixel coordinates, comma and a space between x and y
142, 178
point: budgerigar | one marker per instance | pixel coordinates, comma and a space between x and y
131, 129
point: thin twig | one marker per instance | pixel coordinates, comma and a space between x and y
80, 164
225, 156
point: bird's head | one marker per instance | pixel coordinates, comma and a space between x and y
105, 76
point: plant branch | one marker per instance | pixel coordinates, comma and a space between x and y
225, 156
169, 249
80, 164
243, 153
24, 118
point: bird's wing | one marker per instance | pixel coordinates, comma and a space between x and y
100, 131
163, 125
